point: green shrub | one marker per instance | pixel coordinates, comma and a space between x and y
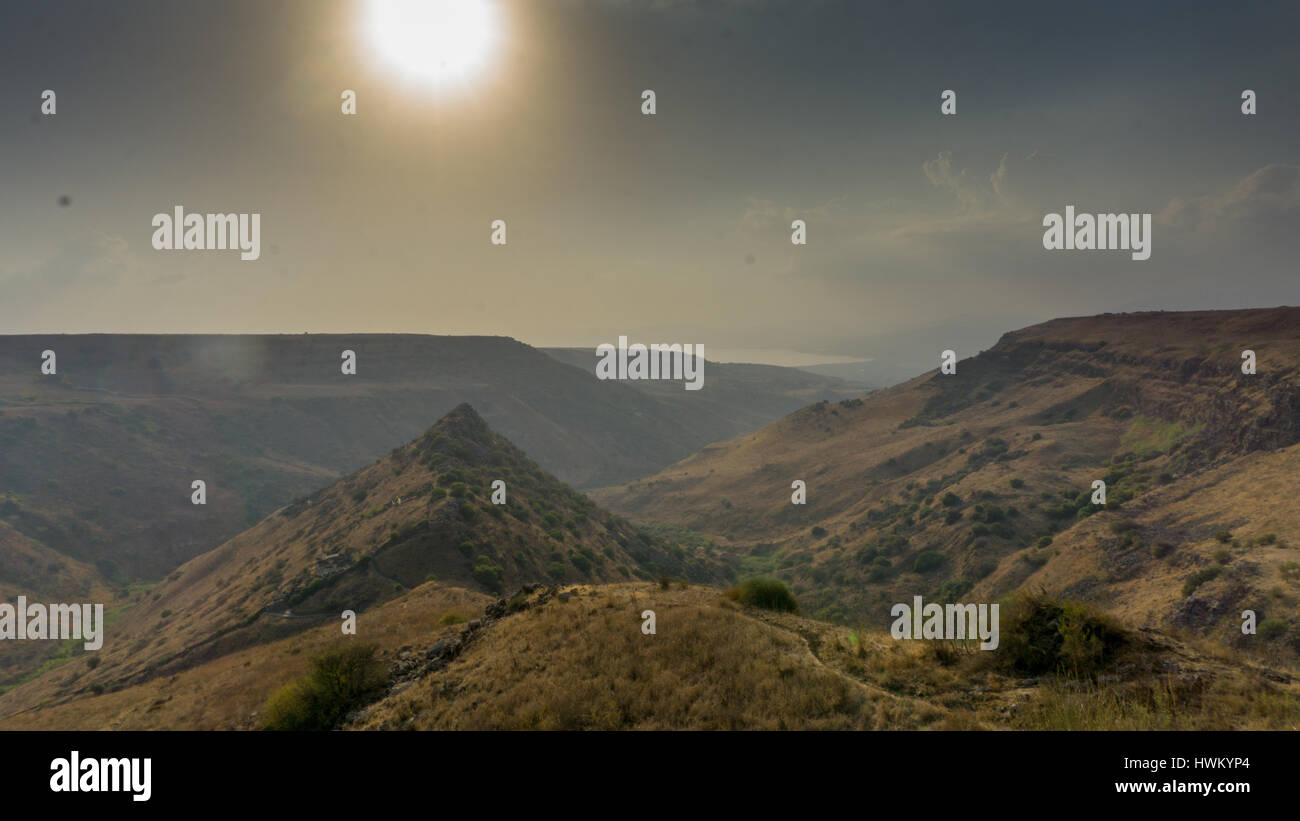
952, 590
818, 531
952, 517
452, 617
1267, 538
1161, 549
1223, 536
1272, 628
950, 499
1044, 541
339, 681
926, 561
1017, 483
1040, 634
488, 574
1200, 577
765, 593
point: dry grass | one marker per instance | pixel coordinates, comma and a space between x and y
585, 664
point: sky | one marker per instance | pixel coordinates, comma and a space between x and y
924, 231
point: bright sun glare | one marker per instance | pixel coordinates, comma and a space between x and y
441, 42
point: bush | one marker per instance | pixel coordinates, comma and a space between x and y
818, 531
1223, 536
765, 593
1272, 628
452, 618
1267, 538
926, 561
1040, 634
1200, 577
1161, 549
950, 499
339, 681
488, 574
1044, 541
952, 517
1017, 483
952, 590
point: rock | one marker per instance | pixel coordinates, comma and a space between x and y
438, 650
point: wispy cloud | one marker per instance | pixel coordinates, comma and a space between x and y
1265, 195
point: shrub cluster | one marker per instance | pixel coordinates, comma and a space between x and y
339, 681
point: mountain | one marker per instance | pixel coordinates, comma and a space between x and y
97, 459
423, 512
979, 483
737, 398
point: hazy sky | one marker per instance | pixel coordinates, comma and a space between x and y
674, 227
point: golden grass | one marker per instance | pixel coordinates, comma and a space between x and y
585, 664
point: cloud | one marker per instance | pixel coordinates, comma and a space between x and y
982, 207
1265, 195
972, 194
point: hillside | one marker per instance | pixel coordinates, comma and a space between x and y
97, 460
978, 483
422, 512
574, 657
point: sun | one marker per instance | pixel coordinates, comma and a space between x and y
444, 43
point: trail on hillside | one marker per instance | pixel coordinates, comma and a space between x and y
813, 642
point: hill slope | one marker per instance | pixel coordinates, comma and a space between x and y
575, 657
980, 482
423, 511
